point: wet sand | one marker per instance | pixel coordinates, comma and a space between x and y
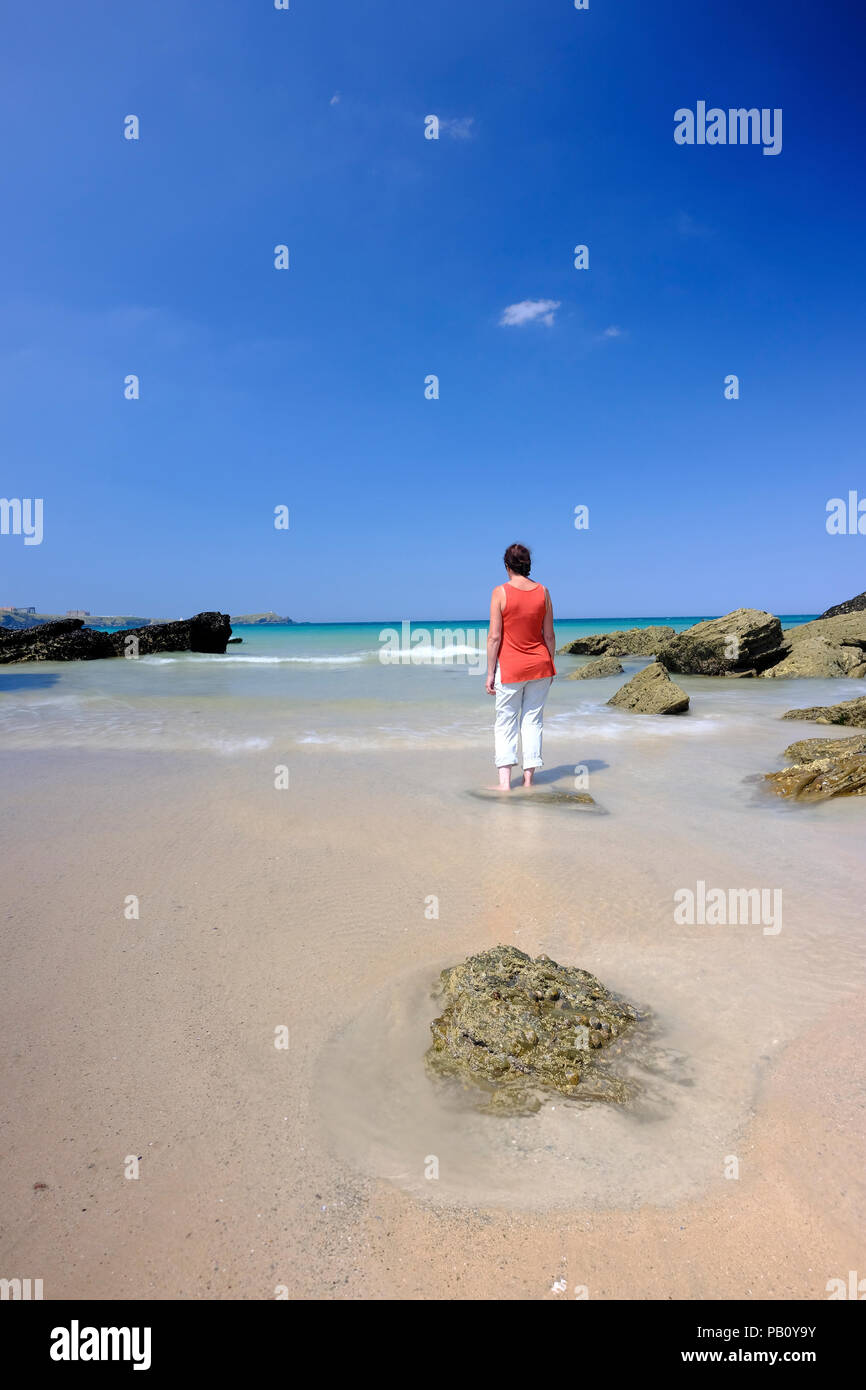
304, 1168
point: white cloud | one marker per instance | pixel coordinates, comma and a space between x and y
335, 99
612, 332
530, 311
459, 128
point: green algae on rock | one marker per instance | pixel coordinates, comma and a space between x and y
821, 779
516, 1032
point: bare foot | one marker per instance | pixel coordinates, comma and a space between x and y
504, 781
528, 775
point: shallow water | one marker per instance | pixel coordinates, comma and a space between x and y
324, 685
387, 763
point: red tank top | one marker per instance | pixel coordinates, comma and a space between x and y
523, 655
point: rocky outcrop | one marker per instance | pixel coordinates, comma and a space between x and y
850, 712
747, 639
69, 640
822, 778
851, 605
206, 632
834, 646
593, 670
517, 1031
632, 641
746, 642
651, 691
845, 629
64, 640
815, 656
808, 750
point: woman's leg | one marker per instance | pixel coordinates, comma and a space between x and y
506, 729
531, 724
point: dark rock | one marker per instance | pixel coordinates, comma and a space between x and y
206, 632
65, 640
632, 641
516, 1031
850, 712
69, 640
851, 605
651, 691
747, 639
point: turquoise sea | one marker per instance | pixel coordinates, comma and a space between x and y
349, 685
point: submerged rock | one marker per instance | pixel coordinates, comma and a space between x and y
825, 767
593, 670
850, 712
651, 691
822, 779
70, 640
515, 1031
632, 641
540, 796
747, 639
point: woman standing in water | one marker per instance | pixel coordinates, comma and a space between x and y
520, 648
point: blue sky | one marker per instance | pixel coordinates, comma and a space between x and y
306, 387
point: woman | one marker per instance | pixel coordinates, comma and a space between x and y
520, 647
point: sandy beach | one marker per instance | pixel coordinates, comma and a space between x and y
301, 1169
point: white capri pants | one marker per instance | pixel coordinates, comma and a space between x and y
519, 712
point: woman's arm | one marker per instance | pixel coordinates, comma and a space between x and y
547, 628
494, 637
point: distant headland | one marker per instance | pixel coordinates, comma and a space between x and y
14, 619
260, 619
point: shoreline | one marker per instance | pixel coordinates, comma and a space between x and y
155, 1037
